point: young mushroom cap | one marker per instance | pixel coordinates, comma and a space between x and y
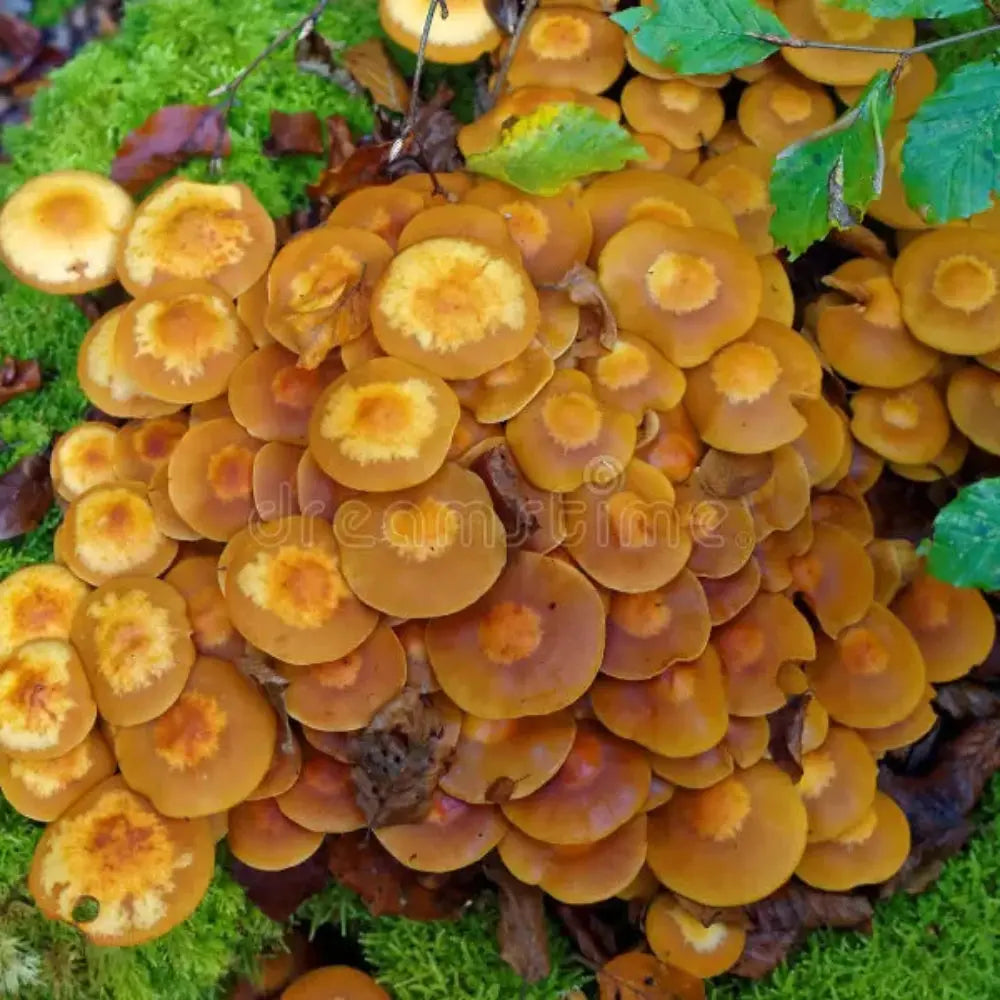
381, 210
872, 675
680, 713
954, 626
775, 553
896, 564
684, 942
781, 108
721, 529
861, 469
466, 33
682, 112
287, 594
847, 510
185, 229
144, 446
344, 694
37, 602
601, 785
783, 500
731, 844
454, 834
427, 551
578, 874
949, 286
558, 322
335, 981
263, 837
663, 156
505, 390
212, 631
251, 306
676, 447
825, 444
905, 733
727, 596
318, 495
945, 464
740, 179
83, 457
777, 301
145, 873
974, 404
165, 513
60, 232
323, 796
870, 852
284, 769
384, 425
703, 770
908, 425
275, 471
747, 739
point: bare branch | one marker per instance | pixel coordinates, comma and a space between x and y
938, 43
515, 40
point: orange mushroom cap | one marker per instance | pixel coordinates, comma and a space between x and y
682, 112
781, 108
382, 210
896, 564
974, 405
274, 477
733, 843
703, 770
684, 942
663, 155
863, 470
212, 631
847, 510
323, 798
262, 836
905, 733
284, 769
335, 981
783, 500
916, 81
721, 529
37, 602
825, 444
558, 321
775, 553
740, 179
908, 425
507, 389
777, 301
676, 449
465, 35
318, 495
144, 446
747, 739
946, 463
251, 307
84, 457
727, 596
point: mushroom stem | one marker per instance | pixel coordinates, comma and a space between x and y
803, 43
515, 40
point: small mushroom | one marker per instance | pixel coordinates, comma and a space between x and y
904, 733
783, 500
208, 751
702, 841
645, 66
740, 179
381, 210
284, 769
682, 112
782, 108
663, 156
846, 510
676, 448
336, 981
558, 322
774, 554
37, 602
578, 874
945, 464
251, 308
443, 188
872, 675
142, 447
777, 301
974, 404
275, 470
633, 975
60, 232
263, 837
703, 770
682, 941
210, 409
165, 513
465, 35
317, 493
644, 887
908, 425
747, 739
896, 564
507, 389
531, 646
825, 443
722, 531
863, 469
322, 798
185, 229
83, 457
870, 852
141, 872
634, 376
727, 596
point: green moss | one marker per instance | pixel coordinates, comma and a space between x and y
48, 12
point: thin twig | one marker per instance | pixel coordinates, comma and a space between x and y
802, 43
993, 7
515, 40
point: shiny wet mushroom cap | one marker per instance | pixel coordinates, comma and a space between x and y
37, 602
83, 457
263, 837
463, 36
681, 940
335, 981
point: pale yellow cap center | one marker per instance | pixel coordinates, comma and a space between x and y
682, 283
744, 372
559, 36
964, 282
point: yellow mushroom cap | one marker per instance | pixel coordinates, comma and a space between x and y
465, 35
37, 602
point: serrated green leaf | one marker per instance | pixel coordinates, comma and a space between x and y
965, 548
830, 178
703, 36
911, 8
557, 143
951, 157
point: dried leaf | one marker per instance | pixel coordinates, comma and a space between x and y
399, 758
166, 139
506, 486
764, 951
25, 496
500, 790
730, 476
370, 65
333, 326
362, 167
963, 700
297, 133
594, 937
17, 378
522, 932
584, 290
785, 745
314, 54
280, 894
20, 42
505, 13
434, 138
259, 667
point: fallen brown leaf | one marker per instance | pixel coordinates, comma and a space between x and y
300, 132
25, 496
522, 932
280, 894
259, 667
20, 42
334, 326
584, 290
370, 65
730, 476
861, 240
966, 699
785, 745
362, 167
506, 486
594, 936
17, 378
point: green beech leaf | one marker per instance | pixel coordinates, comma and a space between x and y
542, 152
703, 36
830, 178
951, 157
965, 548
911, 8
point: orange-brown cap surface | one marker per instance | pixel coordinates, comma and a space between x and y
684, 942
37, 602
263, 837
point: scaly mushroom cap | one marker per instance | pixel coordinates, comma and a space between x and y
558, 321
663, 156
721, 530
916, 81
465, 35
825, 444
684, 942
949, 285
742, 399
568, 46
287, 595
783, 500
824, 21
344, 694
322, 798
263, 837
113, 852
601, 785
505, 390
384, 425
180, 341
867, 341
46, 706
953, 626
284, 769
210, 477
578, 874
251, 307
566, 437
754, 645
747, 740
908, 425
676, 448
647, 632
847, 510
740, 180
835, 577
638, 976
317, 493
319, 289
777, 302
905, 733
837, 783
634, 376
213, 232
625, 196
134, 638
384, 211
944, 465
781, 108
37, 602
143, 446
84, 457
679, 713
531, 646
974, 405
456, 306
104, 383
896, 563
703, 770
275, 469
503, 759
453, 835
212, 630
872, 675
727, 596
682, 112
426, 551
335, 981
43, 790
774, 554
272, 397
110, 531
206, 752
60, 232
870, 852
731, 844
